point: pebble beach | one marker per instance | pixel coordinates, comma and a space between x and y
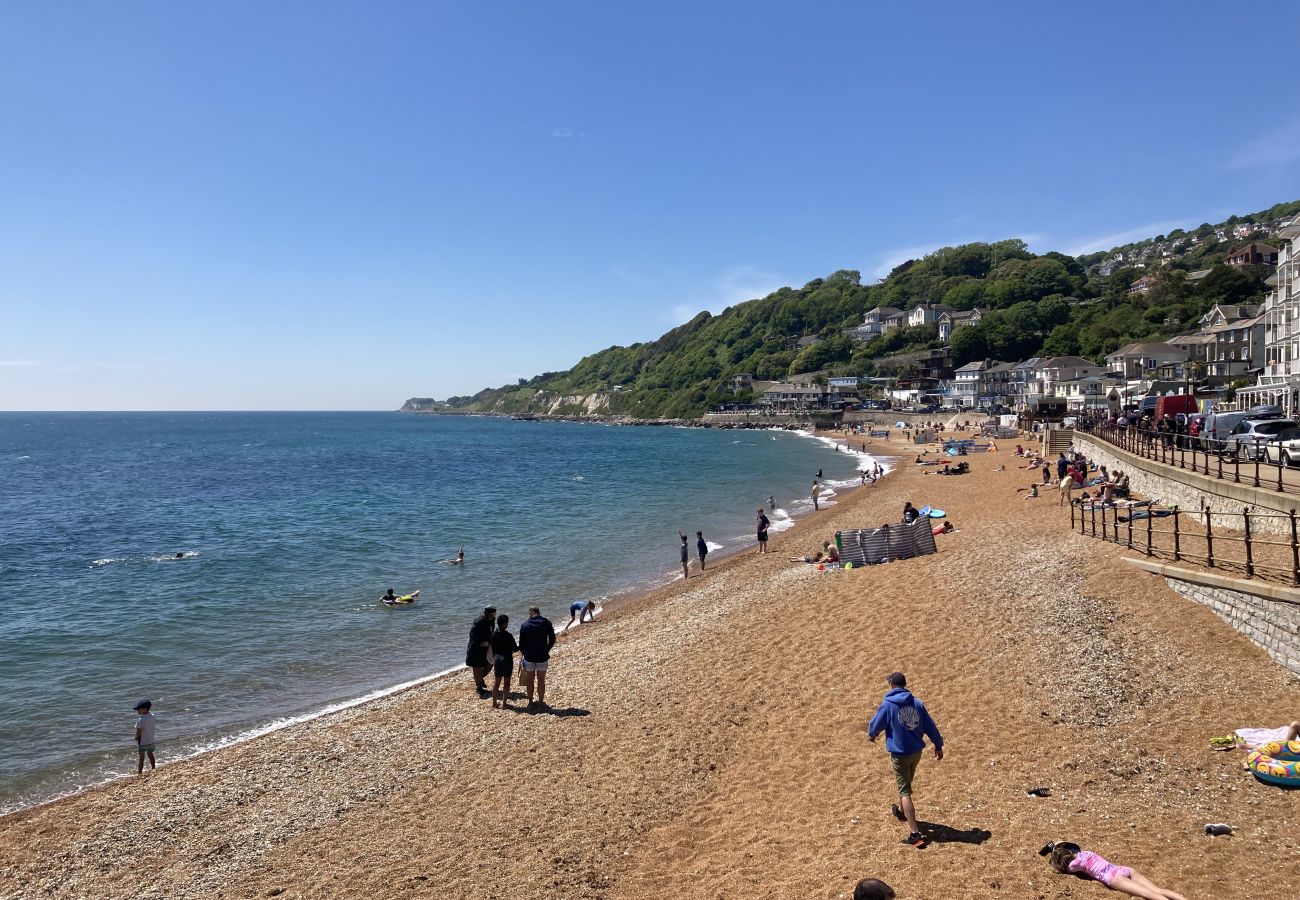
707, 740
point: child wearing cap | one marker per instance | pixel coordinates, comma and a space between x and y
145, 732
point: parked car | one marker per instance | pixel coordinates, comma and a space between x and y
1284, 450
1218, 425
1248, 440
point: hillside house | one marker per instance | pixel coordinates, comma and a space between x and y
954, 320
873, 322
1227, 313
1139, 360
926, 314
1253, 254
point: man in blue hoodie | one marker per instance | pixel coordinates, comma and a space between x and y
906, 724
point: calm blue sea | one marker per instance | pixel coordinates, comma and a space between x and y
290, 526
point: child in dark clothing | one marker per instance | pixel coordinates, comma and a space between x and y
503, 662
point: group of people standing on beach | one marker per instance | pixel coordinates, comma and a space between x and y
492, 648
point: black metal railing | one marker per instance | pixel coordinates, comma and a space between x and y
1210, 539
1256, 461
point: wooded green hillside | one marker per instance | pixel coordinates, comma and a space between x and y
1034, 305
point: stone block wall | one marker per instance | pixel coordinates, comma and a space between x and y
1190, 490
1272, 624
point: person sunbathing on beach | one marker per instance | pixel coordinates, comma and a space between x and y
1071, 859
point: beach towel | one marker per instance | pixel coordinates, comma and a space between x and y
1254, 738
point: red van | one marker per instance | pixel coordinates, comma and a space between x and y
1175, 404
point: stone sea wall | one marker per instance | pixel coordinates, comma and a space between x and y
1267, 614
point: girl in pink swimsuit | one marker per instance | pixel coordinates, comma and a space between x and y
1068, 858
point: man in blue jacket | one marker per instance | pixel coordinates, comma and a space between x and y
906, 724
536, 638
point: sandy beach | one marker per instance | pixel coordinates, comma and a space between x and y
707, 741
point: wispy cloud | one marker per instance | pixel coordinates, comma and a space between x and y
1278, 147
732, 285
1080, 245
561, 132
18, 364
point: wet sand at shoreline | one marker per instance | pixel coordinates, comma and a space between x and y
707, 741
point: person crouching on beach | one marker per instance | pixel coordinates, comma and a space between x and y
536, 638
763, 524
581, 611
906, 723
503, 661
145, 734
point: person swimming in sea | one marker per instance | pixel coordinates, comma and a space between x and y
390, 598
460, 557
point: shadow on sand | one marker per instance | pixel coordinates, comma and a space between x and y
946, 834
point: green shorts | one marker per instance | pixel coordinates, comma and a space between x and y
905, 770
145, 748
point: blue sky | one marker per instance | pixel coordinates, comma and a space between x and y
341, 205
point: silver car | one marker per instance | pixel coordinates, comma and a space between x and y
1250, 438
1285, 450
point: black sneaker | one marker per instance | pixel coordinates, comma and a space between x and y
898, 812
917, 840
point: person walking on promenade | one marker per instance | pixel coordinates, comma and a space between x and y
763, 524
480, 642
686, 557
906, 723
701, 547
503, 661
816, 493
536, 638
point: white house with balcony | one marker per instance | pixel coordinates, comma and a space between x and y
1279, 381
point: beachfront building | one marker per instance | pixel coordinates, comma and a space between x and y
785, 397
1196, 346
1058, 369
1279, 378
1239, 348
1026, 383
982, 384
1136, 361
1084, 394
954, 320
